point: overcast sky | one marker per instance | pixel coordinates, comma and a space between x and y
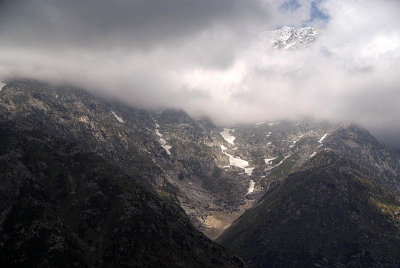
214, 57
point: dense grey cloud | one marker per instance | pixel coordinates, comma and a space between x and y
132, 23
214, 58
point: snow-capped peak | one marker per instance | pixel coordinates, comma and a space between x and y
291, 37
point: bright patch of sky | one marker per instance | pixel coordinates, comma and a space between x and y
291, 5
316, 11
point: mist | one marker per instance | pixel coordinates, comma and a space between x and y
214, 58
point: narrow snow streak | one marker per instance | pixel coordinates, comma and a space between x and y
278, 163
227, 135
313, 154
269, 160
323, 138
163, 142
295, 141
119, 119
251, 187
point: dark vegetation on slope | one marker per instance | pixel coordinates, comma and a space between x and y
62, 207
328, 214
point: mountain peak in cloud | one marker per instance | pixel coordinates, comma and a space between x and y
289, 37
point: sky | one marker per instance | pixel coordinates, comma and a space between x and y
214, 58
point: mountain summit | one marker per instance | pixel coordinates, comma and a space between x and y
289, 37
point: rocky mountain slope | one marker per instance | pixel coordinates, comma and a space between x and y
303, 182
328, 214
61, 206
216, 173
381, 164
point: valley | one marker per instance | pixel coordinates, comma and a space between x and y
218, 175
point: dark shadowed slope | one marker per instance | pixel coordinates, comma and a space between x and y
328, 214
63, 207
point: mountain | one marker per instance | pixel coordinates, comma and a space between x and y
281, 193
215, 173
289, 37
378, 162
61, 206
328, 214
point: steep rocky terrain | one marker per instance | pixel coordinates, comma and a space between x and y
381, 164
216, 173
61, 206
328, 214
315, 193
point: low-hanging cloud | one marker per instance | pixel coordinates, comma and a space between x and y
214, 58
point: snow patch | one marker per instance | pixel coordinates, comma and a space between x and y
1, 85
158, 133
261, 123
313, 154
295, 141
278, 163
227, 135
268, 161
119, 119
163, 142
251, 187
238, 162
84, 119
323, 138
166, 147
248, 171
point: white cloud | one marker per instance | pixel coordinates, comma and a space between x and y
223, 66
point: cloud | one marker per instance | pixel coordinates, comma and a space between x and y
214, 58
